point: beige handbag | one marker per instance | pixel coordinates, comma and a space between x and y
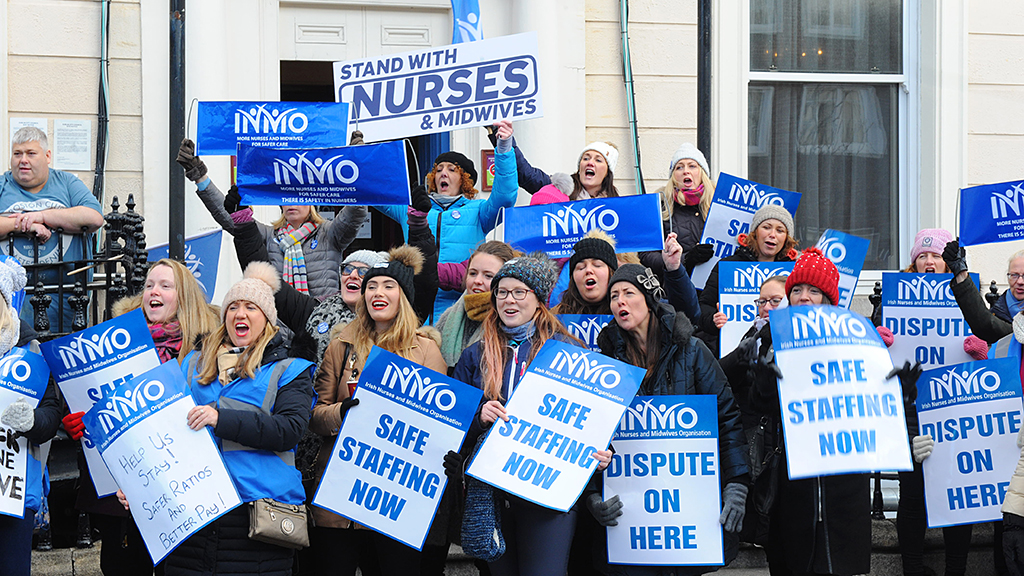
277, 523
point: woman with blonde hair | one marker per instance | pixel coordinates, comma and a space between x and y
384, 318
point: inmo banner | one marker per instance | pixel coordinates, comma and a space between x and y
443, 88
733, 206
222, 126
973, 413
634, 222
992, 213
202, 258
847, 252
351, 175
926, 322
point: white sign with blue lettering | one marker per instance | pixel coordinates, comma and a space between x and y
847, 252
733, 206
665, 470
973, 413
89, 364
586, 327
839, 412
442, 88
392, 479
739, 285
23, 375
565, 408
926, 322
991, 213
173, 477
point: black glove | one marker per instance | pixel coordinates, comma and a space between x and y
746, 352
194, 167
605, 511
453, 466
763, 370
347, 404
699, 254
955, 257
233, 201
908, 378
1013, 543
420, 199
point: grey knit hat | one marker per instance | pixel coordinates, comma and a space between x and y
772, 212
368, 257
690, 151
536, 270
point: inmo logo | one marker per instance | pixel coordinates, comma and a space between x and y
823, 323
566, 220
117, 409
415, 386
580, 365
921, 288
1006, 200
262, 120
81, 349
660, 417
316, 171
586, 330
749, 194
14, 366
754, 276
833, 249
962, 383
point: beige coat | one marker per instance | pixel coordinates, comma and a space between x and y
332, 387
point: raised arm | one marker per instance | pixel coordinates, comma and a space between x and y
506, 185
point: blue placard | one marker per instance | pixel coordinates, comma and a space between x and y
967, 383
634, 222
925, 290
23, 376
202, 258
926, 322
847, 252
739, 285
222, 126
586, 327
664, 417
25, 373
597, 374
798, 327
370, 174
991, 213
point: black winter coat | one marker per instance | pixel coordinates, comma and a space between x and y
688, 224
989, 325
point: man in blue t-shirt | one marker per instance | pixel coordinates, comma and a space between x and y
35, 198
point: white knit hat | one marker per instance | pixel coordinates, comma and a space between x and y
690, 151
260, 281
611, 155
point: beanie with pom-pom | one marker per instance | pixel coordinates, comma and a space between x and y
405, 263
812, 267
258, 284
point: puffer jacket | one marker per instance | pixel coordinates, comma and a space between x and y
322, 249
461, 226
989, 325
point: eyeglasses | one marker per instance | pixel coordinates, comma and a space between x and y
761, 303
349, 268
517, 294
1013, 277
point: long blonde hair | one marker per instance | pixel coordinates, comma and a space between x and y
314, 217
195, 316
399, 338
248, 362
668, 195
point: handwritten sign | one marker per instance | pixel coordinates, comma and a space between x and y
392, 479
89, 364
23, 375
565, 408
973, 413
925, 320
173, 477
666, 472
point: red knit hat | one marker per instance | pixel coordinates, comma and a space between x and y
812, 267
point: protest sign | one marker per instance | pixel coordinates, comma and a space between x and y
586, 327
634, 222
392, 480
733, 206
173, 477
442, 88
839, 412
565, 408
357, 175
23, 375
739, 285
847, 252
202, 258
666, 473
926, 322
222, 126
991, 213
973, 413
88, 364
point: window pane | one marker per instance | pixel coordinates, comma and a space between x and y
850, 36
837, 145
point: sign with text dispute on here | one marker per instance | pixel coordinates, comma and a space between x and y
926, 322
666, 472
442, 88
173, 477
973, 413
840, 414
387, 467
88, 364
564, 408
23, 375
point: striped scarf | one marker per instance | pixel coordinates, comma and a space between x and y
290, 240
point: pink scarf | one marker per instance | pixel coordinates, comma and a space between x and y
689, 197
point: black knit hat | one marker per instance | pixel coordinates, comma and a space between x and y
406, 262
459, 160
593, 247
643, 278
